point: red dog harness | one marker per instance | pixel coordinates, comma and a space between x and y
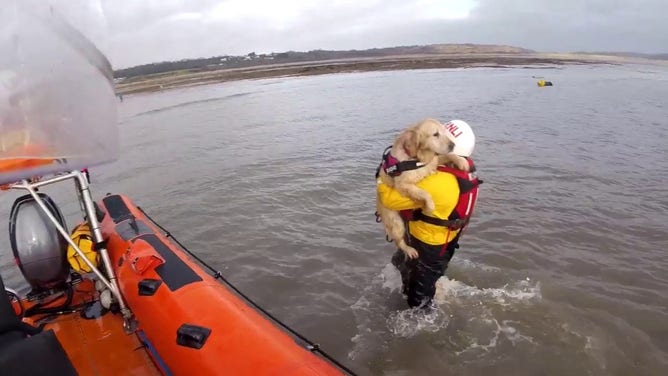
393, 167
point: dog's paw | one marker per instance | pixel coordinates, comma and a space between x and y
461, 163
429, 207
411, 253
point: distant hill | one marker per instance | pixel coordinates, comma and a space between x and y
253, 59
628, 54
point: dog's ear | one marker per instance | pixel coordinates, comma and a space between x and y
410, 142
422, 137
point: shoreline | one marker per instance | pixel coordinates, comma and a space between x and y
213, 75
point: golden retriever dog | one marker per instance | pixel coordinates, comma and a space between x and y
414, 155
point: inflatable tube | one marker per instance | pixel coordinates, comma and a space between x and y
197, 325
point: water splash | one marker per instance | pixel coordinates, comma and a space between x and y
450, 291
410, 322
497, 330
469, 316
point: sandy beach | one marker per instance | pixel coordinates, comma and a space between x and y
210, 75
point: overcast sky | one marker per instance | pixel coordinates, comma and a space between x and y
133, 32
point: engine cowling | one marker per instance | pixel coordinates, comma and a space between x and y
39, 249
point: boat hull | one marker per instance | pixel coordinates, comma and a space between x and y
196, 324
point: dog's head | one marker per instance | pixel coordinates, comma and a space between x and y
426, 139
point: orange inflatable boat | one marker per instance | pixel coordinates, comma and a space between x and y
195, 324
153, 309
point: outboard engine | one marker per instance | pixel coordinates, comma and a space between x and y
39, 249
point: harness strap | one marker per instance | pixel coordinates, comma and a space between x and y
382, 160
452, 224
397, 169
394, 167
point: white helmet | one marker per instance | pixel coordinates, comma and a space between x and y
464, 137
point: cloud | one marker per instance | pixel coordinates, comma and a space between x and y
569, 25
137, 32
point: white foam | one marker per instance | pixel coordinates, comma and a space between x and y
390, 277
468, 264
499, 329
449, 291
593, 347
480, 330
410, 322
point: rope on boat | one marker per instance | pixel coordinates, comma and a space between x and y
313, 347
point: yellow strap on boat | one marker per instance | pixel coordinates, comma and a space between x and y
83, 238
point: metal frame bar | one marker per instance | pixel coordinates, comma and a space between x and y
86, 201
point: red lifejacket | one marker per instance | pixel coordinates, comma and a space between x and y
468, 182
